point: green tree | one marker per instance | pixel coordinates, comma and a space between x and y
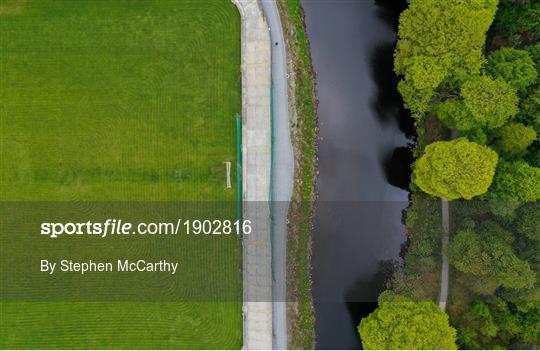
530, 328
491, 102
454, 115
534, 158
516, 320
439, 40
528, 221
496, 321
455, 169
534, 52
482, 315
493, 230
516, 181
503, 209
530, 109
403, 324
514, 66
518, 20
513, 139
466, 253
476, 135
490, 259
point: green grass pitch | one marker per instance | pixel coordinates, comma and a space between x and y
106, 100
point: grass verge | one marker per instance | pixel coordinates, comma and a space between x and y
303, 104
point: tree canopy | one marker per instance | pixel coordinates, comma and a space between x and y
513, 139
534, 52
534, 158
498, 323
455, 169
528, 221
516, 181
439, 40
477, 135
454, 115
465, 253
530, 109
518, 20
514, 66
487, 92
489, 258
403, 324
491, 102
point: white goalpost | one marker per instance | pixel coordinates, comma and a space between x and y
228, 169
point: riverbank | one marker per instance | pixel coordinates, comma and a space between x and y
304, 137
419, 276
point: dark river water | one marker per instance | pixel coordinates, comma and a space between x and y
363, 162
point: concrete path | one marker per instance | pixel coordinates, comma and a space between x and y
445, 213
282, 172
443, 294
256, 150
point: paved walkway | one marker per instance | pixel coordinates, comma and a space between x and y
282, 172
445, 213
256, 150
443, 294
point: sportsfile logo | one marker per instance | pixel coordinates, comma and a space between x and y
102, 229
120, 227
